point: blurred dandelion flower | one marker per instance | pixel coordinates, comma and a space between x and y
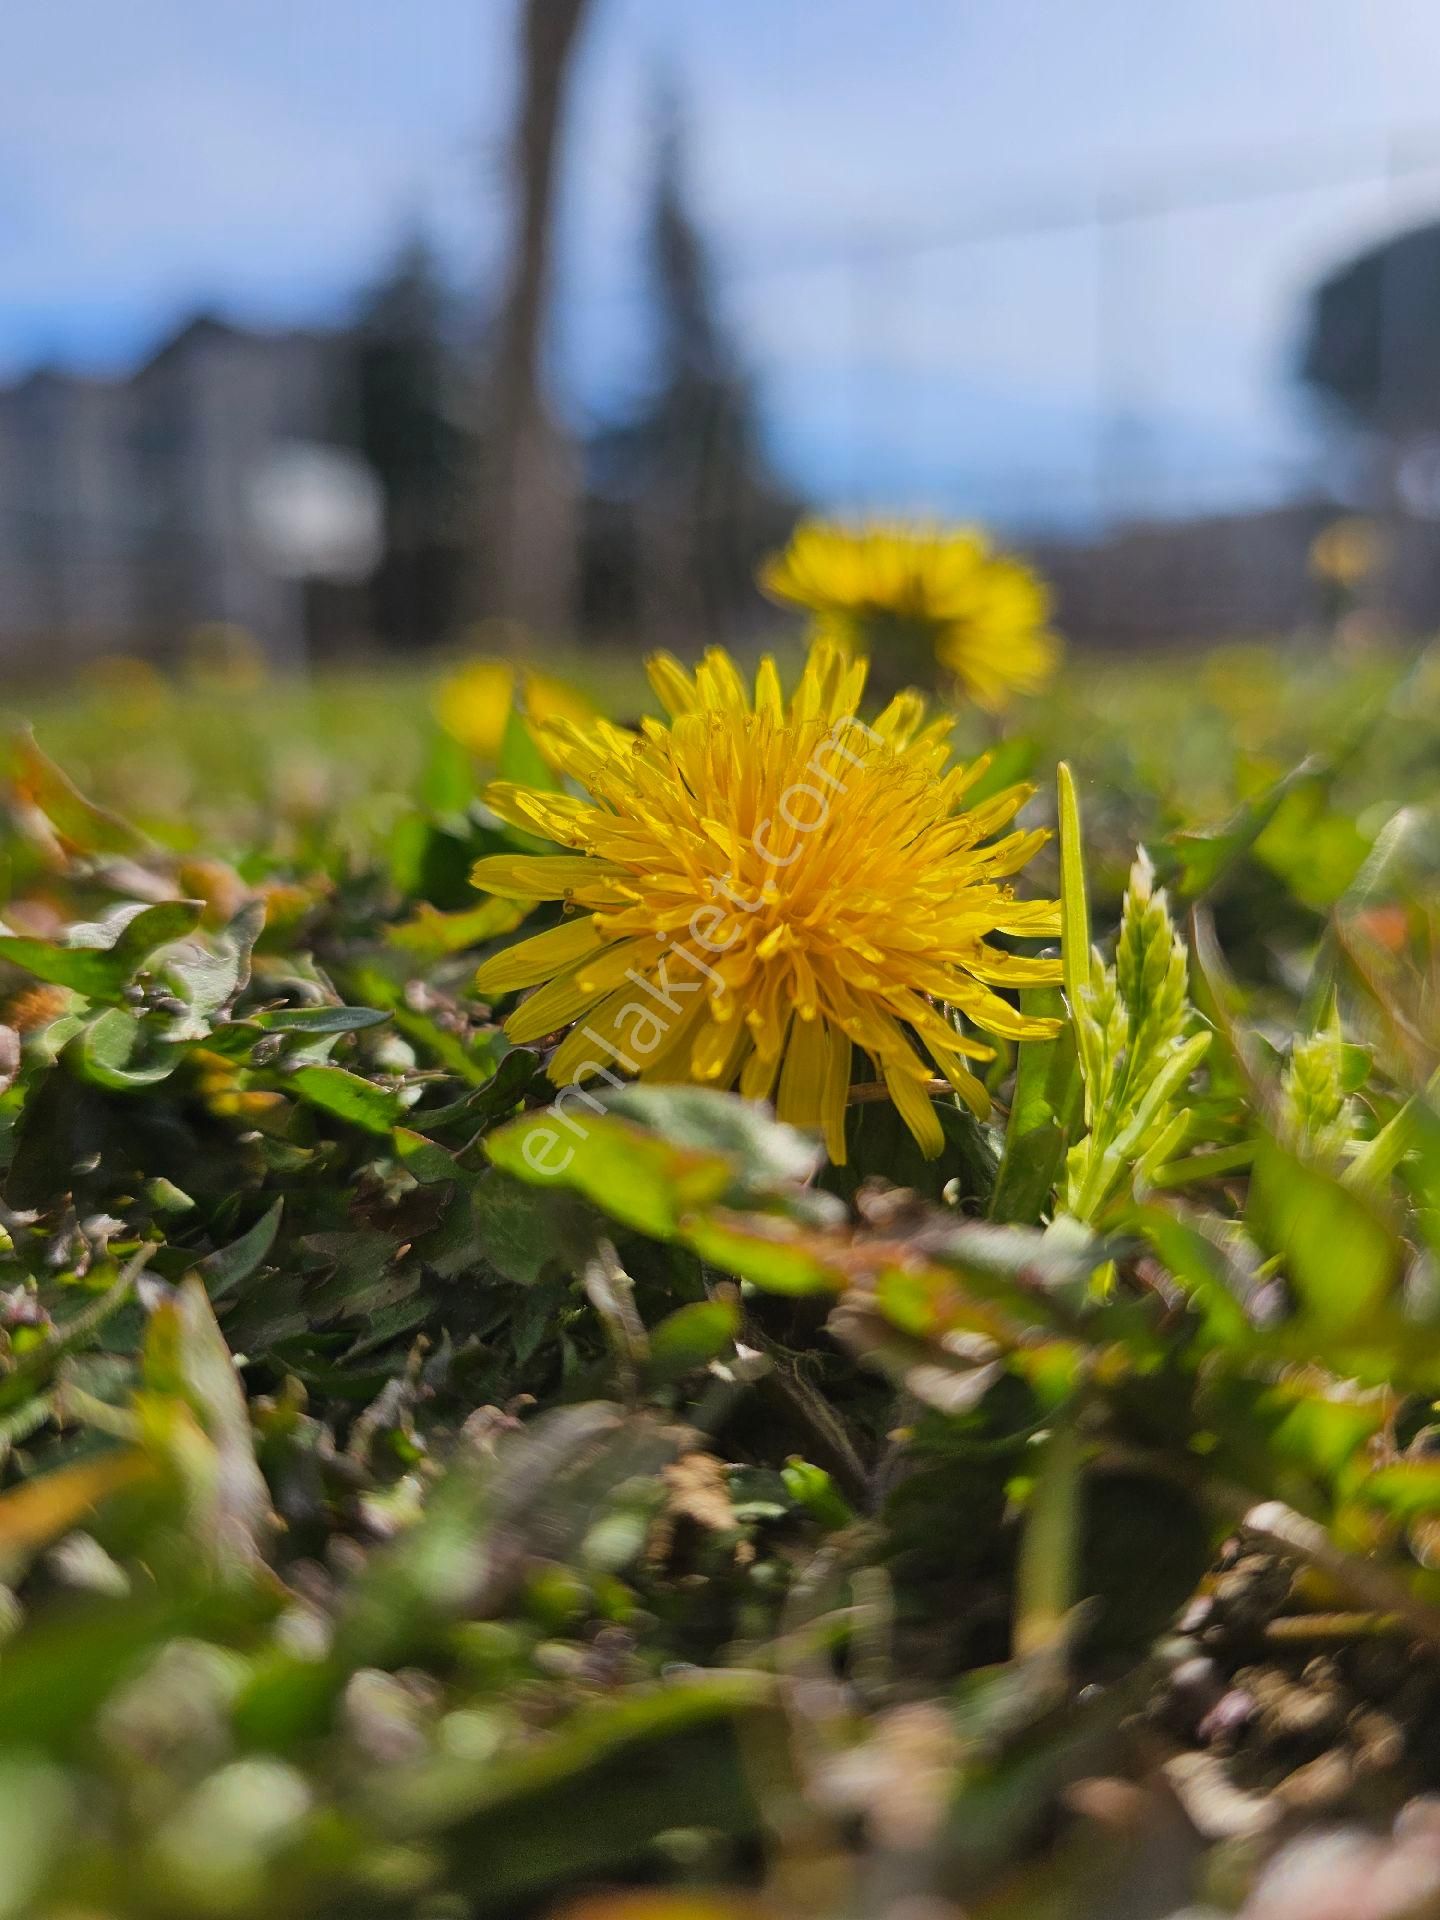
915, 592
33, 1007
1347, 551
475, 703
134, 691
221, 657
758, 886
221, 1086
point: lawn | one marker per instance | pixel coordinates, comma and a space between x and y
418, 1502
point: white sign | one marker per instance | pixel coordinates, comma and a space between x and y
318, 513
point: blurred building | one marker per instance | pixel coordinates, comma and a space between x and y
1171, 582
1179, 583
68, 512
133, 510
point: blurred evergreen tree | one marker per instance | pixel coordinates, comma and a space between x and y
1372, 343
404, 387
683, 501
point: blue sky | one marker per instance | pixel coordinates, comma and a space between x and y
161, 153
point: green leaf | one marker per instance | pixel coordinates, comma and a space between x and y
644, 1182
101, 973
103, 1050
1074, 908
592, 1799
690, 1338
1045, 1581
706, 1147
432, 935
187, 1361
518, 1231
765, 1153
1145, 1542
208, 974
880, 1146
1007, 763
37, 1512
314, 1020
1315, 849
1043, 1113
1408, 1489
767, 1251
813, 1489
1201, 1269
426, 1162
1129, 1024
227, 1268
522, 761
87, 827
500, 1094
1075, 930
447, 780
472, 1058
78, 968
1342, 1258
151, 929
1201, 858
347, 1096
36, 1366
1056, 1260
1318, 1424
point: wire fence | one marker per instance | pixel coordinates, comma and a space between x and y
1060, 361
1078, 353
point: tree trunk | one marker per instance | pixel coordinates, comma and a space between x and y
531, 507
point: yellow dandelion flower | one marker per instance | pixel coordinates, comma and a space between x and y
474, 704
908, 592
545, 697
756, 887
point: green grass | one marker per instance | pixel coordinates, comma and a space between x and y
387, 1530
197, 756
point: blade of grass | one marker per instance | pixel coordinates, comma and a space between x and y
1049, 1552
1075, 923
